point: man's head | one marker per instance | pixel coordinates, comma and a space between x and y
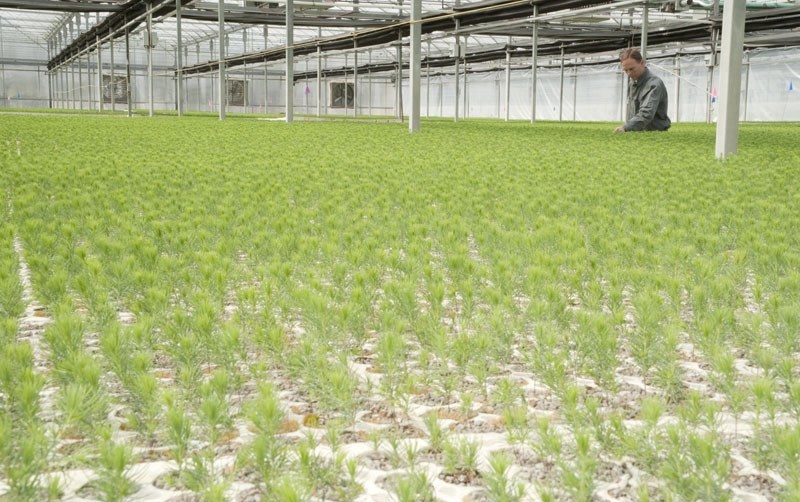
632, 63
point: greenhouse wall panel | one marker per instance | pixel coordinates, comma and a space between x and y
24, 86
590, 93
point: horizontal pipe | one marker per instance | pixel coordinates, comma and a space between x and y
59, 6
709, 4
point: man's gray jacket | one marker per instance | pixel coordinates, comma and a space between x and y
647, 104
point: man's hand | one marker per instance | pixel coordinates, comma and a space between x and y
620, 129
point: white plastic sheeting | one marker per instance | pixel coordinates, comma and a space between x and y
770, 88
595, 93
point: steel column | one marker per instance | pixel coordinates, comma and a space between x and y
457, 69
574, 92
428, 80
289, 60
534, 60
677, 87
129, 94
71, 67
561, 87
645, 28
712, 62
266, 71
508, 80
398, 81
746, 83
99, 75
49, 74
733, 18
369, 81
73, 91
246, 97
113, 82
319, 73
150, 86
415, 65
355, 78
465, 94
223, 91
179, 59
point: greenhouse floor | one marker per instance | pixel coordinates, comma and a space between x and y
195, 309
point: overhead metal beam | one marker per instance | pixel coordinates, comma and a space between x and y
471, 15
382, 33
59, 6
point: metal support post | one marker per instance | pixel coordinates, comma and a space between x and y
712, 62
325, 88
733, 19
71, 67
534, 60
246, 100
465, 94
369, 81
428, 80
73, 91
346, 94
415, 65
179, 59
508, 80
266, 73
2, 65
150, 86
574, 92
100, 90
49, 74
457, 70
398, 81
289, 60
319, 73
223, 91
128, 92
306, 89
113, 83
746, 83
645, 28
266, 87
677, 87
561, 88
355, 78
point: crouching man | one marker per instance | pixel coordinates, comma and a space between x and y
647, 96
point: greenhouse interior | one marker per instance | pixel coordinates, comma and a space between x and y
390, 250
353, 58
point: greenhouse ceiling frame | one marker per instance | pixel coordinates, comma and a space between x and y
376, 32
694, 32
694, 35
501, 20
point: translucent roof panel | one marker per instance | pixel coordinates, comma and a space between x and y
255, 25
